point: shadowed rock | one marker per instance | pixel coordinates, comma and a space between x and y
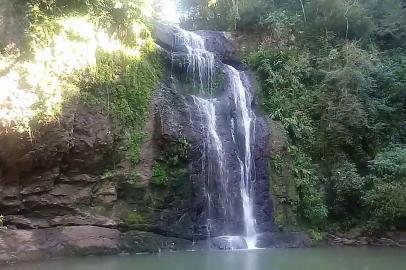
228, 242
283, 240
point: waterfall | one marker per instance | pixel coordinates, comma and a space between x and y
214, 163
242, 101
200, 62
226, 145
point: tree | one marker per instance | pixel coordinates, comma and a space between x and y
344, 18
386, 199
346, 187
390, 20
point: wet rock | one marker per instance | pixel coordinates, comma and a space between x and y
91, 142
25, 223
283, 240
220, 43
263, 204
79, 179
42, 182
10, 199
228, 242
164, 34
106, 193
78, 220
283, 186
43, 221
146, 242
25, 245
389, 239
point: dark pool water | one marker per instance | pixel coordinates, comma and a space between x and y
328, 258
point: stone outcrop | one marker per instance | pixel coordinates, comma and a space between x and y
27, 245
65, 190
228, 243
283, 240
220, 43
357, 238
283, 186
184, 118
56, 173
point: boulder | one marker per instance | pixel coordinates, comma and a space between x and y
283, 240
228, 242
220, 43
26, 245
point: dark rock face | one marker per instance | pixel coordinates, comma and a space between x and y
222, 213
219, 43
283, 240
283, 186
57, 199
146, 242
357, 237
56, 174
25, 245
228, 242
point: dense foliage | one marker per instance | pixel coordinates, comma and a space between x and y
99, 52
334, 75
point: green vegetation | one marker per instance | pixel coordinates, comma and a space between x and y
170, 168
133, 218
122, 85
333, 73
159, 176
66, 40
98, 51
385, 196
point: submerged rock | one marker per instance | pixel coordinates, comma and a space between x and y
283, 240
228, 242
147, 242
26, 245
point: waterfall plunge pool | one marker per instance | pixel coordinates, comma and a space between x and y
322, 258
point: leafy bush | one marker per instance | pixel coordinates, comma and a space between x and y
346, 187
333, 73
159, 175
345, 19
386, 199
281, 24
283, 75
312, 208
65, 38
123, 84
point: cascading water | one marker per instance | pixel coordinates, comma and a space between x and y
200, 61
242, 102
217, 150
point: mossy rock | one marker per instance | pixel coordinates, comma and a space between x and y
282, 182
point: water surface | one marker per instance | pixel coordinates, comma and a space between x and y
329, 258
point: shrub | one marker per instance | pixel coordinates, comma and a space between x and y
312, 207
386, 199
346, 187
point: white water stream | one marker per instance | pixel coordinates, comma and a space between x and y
201, 64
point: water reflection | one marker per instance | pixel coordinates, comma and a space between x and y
272, 259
